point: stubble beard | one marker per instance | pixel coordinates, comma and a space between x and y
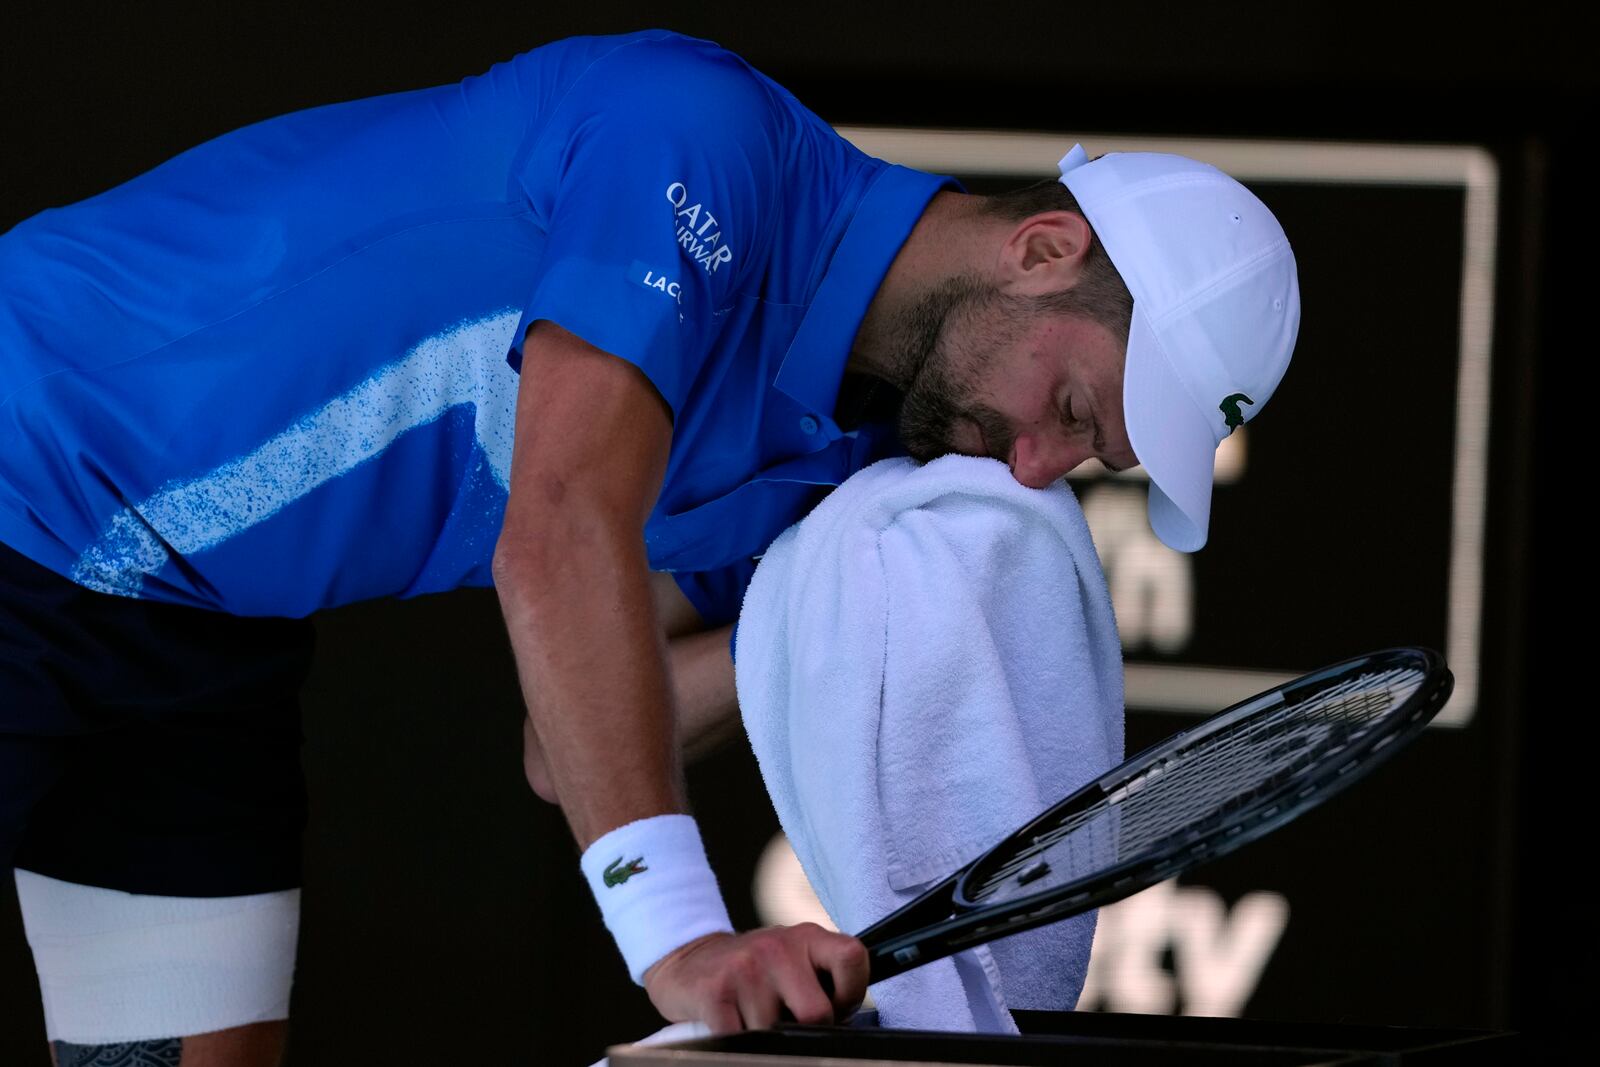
943, 365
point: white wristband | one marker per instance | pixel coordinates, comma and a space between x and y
655, 888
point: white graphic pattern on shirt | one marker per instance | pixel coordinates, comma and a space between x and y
462, 365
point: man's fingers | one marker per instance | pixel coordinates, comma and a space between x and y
776, 980
749, 981
759, 1003
799, 982
722, 1018
844, 960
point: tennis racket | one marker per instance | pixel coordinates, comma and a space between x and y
1196, 796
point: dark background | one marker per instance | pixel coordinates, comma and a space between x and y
443, 917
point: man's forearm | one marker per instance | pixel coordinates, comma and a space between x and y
703, 689
703, 695
592, 663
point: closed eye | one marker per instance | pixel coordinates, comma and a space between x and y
1074, 424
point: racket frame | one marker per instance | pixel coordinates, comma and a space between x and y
944, 920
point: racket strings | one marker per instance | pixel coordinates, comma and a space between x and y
1201, 782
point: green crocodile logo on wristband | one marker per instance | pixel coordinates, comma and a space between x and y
614, 876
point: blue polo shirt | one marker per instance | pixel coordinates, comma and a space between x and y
279, 372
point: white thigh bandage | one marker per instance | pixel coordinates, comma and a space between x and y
117, 967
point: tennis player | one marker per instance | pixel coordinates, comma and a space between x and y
282, 371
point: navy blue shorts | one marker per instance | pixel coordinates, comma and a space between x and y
147, 747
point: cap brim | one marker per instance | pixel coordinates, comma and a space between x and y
1173, 439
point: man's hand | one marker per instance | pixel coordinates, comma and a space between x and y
534, 766
735, 982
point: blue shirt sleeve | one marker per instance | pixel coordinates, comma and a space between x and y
717, 595
655, 180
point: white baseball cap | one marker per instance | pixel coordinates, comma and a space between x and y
1216, 308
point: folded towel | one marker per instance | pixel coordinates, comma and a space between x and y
925, 662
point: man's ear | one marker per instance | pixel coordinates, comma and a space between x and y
1044, 253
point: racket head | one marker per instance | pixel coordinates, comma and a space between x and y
1156, 815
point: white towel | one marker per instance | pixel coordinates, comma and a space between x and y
924, 663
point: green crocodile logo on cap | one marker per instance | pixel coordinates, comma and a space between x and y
1231, 415
614, 876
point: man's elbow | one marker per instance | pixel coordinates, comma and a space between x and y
531, 561
554, 551
518, 563
515, 560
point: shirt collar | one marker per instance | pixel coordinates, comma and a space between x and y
883, 219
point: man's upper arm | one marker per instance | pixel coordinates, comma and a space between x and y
592, 438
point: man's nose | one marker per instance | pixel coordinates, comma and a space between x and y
1037, 461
